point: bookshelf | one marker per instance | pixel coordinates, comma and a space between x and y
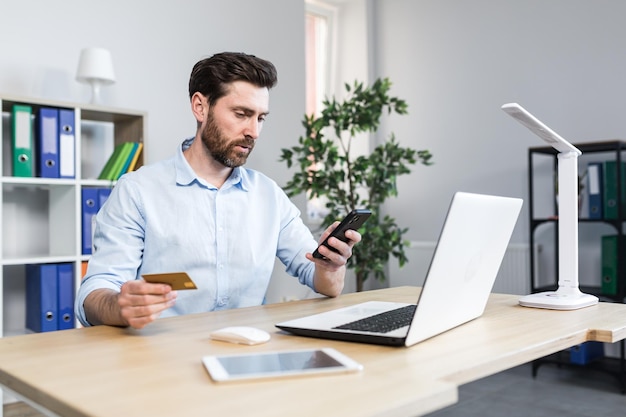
543, 233
543, 218
41, 217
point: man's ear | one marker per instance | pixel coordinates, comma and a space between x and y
199, 107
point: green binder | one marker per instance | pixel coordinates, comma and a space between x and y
611, 207
127, 160
23, 141
609, 259
115, 162
120, 161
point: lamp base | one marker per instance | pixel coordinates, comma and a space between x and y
559, 300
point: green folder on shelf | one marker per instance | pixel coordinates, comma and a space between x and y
106, 170
127, 161
113, 168
134, 157
23, 141
611, 206
609, 260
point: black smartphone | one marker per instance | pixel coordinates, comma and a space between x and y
353, 221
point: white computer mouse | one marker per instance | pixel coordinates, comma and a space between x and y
241, 334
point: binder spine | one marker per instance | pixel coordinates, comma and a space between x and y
89, 210
41, 297
609, 259
65, 288
67, 139
48, 142
612, 207
22, 127
595, 187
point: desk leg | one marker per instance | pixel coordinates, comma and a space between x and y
535, 367
622, 368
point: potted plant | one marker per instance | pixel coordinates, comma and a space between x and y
326, 168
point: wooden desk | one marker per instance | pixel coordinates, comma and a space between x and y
156, 371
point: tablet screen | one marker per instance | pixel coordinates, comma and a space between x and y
271, 364
277, 362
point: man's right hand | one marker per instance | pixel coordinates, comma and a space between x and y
142, 302
138, 304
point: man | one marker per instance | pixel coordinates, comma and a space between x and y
203, 213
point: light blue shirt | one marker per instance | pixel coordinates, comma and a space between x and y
163, 218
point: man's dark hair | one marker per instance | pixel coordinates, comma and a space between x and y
211, 76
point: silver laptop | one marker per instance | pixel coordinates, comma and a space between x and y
472, 243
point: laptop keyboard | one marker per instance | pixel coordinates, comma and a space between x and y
383, 322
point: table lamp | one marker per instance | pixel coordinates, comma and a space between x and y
95, 68
568, 295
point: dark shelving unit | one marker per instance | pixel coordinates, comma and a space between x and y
613, 150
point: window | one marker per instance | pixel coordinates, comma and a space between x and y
319, 53
319, 64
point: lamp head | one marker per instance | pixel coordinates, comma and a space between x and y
95, 67
538, 128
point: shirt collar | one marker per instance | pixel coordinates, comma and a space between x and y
186, 176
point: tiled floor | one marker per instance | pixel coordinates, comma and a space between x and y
555, 392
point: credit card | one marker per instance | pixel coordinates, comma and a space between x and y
177, 280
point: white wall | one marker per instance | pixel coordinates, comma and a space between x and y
456, 62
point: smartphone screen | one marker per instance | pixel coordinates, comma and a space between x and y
353, 221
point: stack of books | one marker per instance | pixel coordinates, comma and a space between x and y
122, 160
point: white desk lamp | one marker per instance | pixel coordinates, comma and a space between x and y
95, 67
568, 296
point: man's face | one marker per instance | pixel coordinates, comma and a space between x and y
234, 123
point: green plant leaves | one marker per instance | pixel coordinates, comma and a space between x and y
325, 167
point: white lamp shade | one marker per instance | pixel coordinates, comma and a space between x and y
95, 65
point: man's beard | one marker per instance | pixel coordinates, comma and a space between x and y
221, 149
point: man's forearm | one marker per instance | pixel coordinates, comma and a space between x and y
329, 283
101, 307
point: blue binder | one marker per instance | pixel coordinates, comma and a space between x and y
48, 143
595, 186
67, 146
586, 352
103, 194
89, 209
41, 297
65, 288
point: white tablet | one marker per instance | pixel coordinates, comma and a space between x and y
278, 364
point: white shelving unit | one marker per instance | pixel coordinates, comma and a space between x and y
41, 217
